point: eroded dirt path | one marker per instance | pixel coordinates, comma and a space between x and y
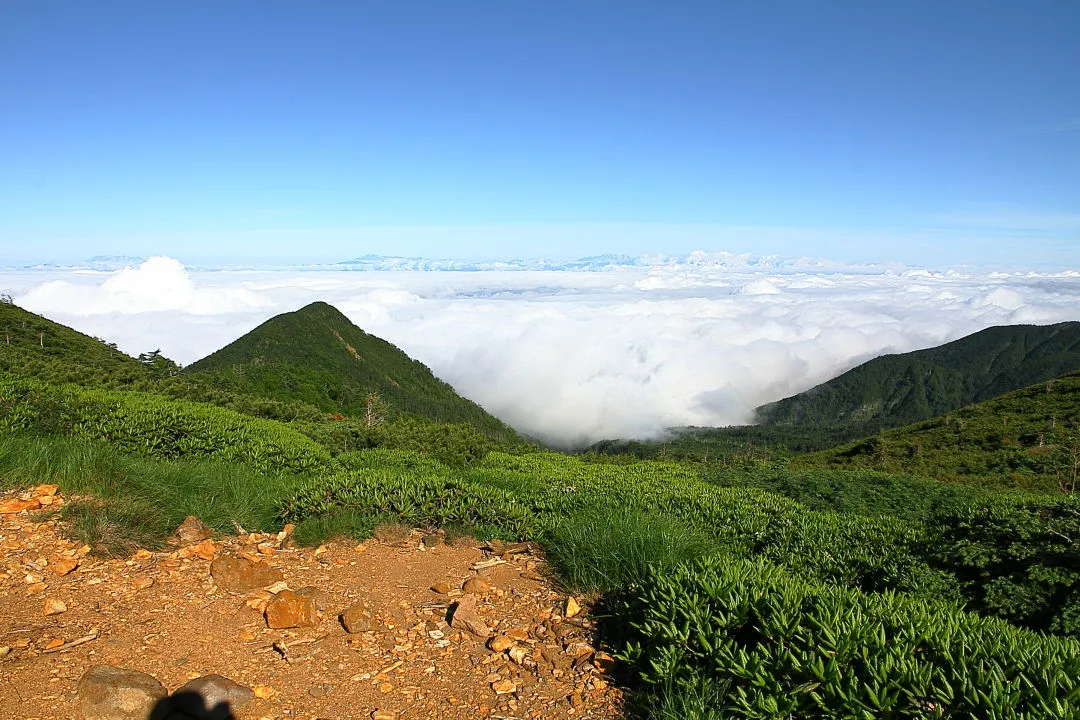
163, 614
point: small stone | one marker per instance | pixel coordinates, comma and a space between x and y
476, 586
518, 654
143, 554
15, 505
358, 618
571, 608
603, 661
240, 574
54, 606
46, 490
210, 697
441, 587
263, 692
192, 530
503, 687
578, 649
465, 617
142, 583
54, 643
207, 549
383, 715
63, 566
500, 643
106, 692
5, 651
288, 610
386, 687
432, 540
518, 634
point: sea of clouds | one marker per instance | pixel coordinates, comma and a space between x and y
576, 355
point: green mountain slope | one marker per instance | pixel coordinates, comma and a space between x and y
316, 355
1027, 438
895, 390
33, 346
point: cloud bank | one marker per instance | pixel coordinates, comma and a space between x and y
574, 356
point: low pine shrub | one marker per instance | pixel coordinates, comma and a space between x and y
1017, 558
151, 426
756, 642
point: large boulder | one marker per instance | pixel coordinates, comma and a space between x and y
107, 692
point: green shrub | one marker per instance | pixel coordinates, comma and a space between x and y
420, 496
151, 426
1017, 558
758, 643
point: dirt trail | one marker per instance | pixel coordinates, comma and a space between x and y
163, 613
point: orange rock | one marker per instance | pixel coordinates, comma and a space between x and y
206, 549
503, 687
572, 607
288, 610
518, 634
263, 692
358, 618
240, 574
143, 583
62, 566
476, 586
46, 490
54, 643
15, 505
441, 587
500, 643
54, 606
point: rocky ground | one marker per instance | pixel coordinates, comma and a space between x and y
390, 629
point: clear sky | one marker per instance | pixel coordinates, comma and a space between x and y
920, 131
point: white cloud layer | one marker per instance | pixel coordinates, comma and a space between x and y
573, 356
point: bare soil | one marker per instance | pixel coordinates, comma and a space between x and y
162, 613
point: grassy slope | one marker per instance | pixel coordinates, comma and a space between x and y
33, 346
1027, 438
316, 355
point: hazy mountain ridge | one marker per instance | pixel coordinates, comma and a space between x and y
894, 390
318, 356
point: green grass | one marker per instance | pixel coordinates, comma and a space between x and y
600, 554
138, 502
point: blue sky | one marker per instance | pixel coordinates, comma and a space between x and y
924, 132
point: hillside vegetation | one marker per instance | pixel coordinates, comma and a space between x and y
319, 357
749, 587
1029, 438
33, 346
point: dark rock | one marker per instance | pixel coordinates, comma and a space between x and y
210, 697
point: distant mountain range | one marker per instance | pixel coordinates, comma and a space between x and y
596, 263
